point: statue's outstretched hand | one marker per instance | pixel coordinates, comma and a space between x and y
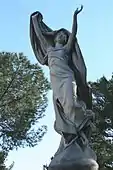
77, 11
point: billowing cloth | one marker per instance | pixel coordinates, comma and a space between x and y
68, 76
64, 92
40, 43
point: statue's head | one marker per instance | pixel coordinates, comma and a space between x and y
61, 36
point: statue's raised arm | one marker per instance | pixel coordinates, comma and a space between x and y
73, 34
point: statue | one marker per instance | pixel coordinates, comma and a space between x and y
45, 167
60, 51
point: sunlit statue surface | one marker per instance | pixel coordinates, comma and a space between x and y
60, 51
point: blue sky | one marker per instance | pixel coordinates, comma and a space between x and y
96, 41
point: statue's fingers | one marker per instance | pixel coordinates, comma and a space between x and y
82, 7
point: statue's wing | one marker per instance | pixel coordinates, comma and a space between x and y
39, 41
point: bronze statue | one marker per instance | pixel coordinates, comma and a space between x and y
60, 51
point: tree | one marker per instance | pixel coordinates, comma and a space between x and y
103, 107
3, 156
23, 100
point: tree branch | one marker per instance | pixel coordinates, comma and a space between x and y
10, 83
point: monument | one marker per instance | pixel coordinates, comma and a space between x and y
72, 98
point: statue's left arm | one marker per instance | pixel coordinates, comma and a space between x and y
39, 41
72, 36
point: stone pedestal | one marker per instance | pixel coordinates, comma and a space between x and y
73, 157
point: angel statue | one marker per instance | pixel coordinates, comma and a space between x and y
60, 51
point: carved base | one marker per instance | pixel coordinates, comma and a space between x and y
74, 157
85, 164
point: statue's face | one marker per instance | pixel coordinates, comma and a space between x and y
61, 38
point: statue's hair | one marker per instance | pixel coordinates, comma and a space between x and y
62, 29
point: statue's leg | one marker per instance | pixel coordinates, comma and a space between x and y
74, 109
